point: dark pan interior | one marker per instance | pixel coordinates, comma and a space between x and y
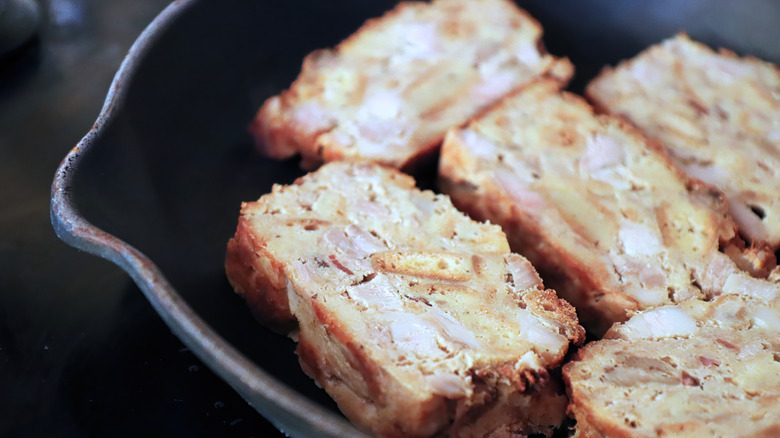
170, 172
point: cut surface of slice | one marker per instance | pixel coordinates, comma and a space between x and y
611, 223
416, 319
697, 369
718, 116
390, 91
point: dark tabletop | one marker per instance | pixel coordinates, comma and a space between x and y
82, 353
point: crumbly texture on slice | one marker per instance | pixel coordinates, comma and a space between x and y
390, 91
416, 319
691, 370
610, 222
718, 116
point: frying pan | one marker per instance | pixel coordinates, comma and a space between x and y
156, 184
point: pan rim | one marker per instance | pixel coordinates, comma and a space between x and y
291, 412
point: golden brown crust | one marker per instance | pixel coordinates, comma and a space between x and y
256, 274
390, 91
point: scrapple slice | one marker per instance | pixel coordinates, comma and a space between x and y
718, 115
610, 222
697, 369
390, 91
417, 320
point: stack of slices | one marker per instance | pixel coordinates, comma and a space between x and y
656, 216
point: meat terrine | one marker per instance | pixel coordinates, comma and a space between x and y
390, 91
716, 113
604, 214
416, 319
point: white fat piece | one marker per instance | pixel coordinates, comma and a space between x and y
534, 332
478, 145
644, 278
378, 294
531, 201
420, 331
751, 224
491, 88
709, 173
427, 335
420, 40
528, 54
353, 242
601, 152
741, 283
449, 385
766, 318
312, 117
530, 361
524, 276
602, 161
382, 105
639, 240
662, 322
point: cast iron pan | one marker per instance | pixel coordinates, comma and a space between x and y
155, 186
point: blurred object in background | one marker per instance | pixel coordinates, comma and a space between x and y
66, 16
19, 20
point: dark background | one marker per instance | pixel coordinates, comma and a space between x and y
82, 353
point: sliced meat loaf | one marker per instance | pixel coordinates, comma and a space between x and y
416, 319
611, 223
690, 370
390, 91
718, 116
